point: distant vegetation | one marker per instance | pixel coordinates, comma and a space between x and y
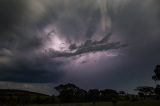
70, 93
14, 97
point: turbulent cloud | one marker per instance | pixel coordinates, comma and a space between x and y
88, 47
34, 33
24, 33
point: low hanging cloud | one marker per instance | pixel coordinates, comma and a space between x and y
88, 47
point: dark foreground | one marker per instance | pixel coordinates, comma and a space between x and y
124, 103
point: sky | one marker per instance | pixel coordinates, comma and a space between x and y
91, 43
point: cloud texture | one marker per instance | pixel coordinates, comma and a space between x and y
34, 33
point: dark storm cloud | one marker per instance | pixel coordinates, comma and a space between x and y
22, 36
139, 23
10, 12
21, 40
94, 23
137, 20
22, 20
31, 69
15, 32
89, 47
80, 19
140, 27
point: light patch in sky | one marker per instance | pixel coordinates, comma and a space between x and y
55, 42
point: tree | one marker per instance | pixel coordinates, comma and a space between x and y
109, 95
93, 95
144, 91
155, 78
157, 91
81, 95
122, 93
70, 93
157, 73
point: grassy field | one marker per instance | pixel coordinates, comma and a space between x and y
139, 103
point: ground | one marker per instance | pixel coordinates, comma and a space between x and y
139, 103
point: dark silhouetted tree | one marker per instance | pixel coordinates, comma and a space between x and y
93, 95
122, 93
109, 95
70, 93
157, 73
81, 95
157, 91
155, 78
144, 91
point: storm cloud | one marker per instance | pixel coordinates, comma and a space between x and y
34, 33
24, 32
89, 46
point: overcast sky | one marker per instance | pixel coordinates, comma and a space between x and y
91, 43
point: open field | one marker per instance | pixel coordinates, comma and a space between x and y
139, 103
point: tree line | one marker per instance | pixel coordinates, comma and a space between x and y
70, 93
147, 91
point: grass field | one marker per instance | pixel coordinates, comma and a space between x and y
139, 103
